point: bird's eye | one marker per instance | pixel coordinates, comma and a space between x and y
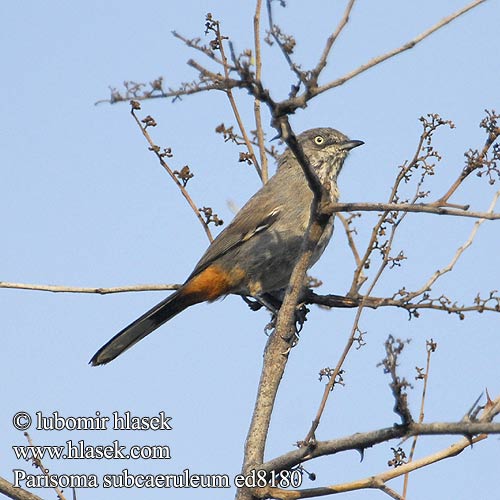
319, 140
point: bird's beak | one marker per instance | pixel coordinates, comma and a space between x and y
351, 144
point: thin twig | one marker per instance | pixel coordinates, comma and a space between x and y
412, 207
353, 337
431, 347
194, 44
371, 482
474, 434
256, 106
409, 45
272, 29
79, 289
440, 272
163, 163
232, 100
350, 239
357, 280
331, 40
363, 440
393, 494
37, 462
468, 169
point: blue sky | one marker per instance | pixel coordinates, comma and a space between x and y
84, 203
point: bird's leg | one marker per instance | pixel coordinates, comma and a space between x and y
272, 302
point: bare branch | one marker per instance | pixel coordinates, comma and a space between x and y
286, 48
393, 494
478, 160
79, 289
15, 492
431, 347
161, 155
256, 105
409, 45
363, 440
194, 43
329, 43
348, 231
283, 337
394, 348
441, 303
37, 462
412, 207
474, 432
440, 272
356, 335
214, 25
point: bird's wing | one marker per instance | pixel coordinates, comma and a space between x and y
254, 218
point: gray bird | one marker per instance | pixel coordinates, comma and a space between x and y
256, 253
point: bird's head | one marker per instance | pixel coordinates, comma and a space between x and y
326, 150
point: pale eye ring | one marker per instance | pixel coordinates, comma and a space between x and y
319, 140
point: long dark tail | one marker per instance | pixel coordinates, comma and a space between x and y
143, 326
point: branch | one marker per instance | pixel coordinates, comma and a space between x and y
286, 48
282, 339
431, 347
256, 105
361, 441
479, 429
372, 482
194, 43
148, 121
476, 159
441, 303
215, 26
394, 348
37, 462
356, 334
331, 40
440, 272
409, 45
78, 289
425, 208
16, 493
